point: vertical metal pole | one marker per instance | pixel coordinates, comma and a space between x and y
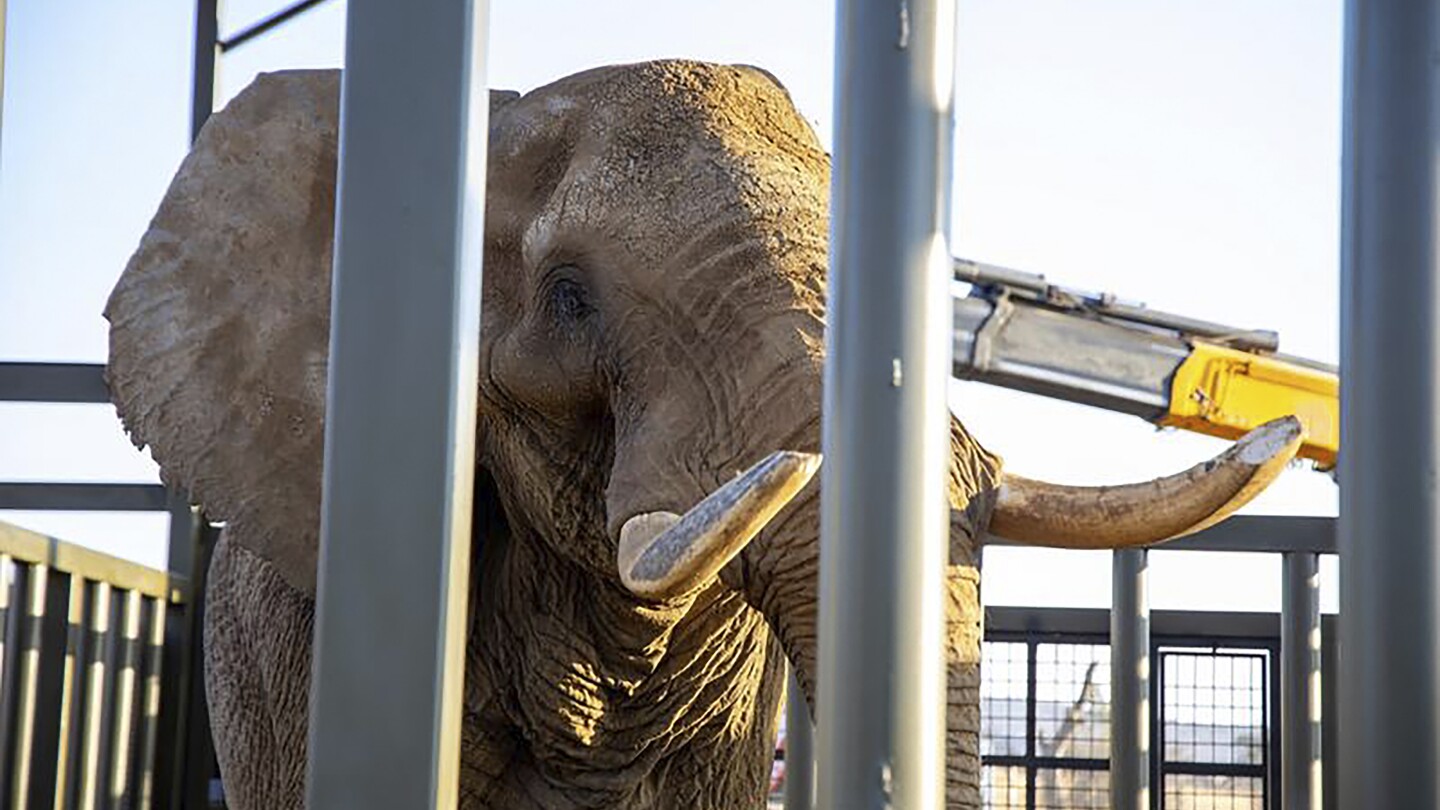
1329, 712
184, 763
400, 420
1300, 787
1390, 407
202, 76
881, 718
1129, 682
799, 749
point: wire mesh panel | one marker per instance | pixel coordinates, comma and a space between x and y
1045, 732
1004, 691
1070, 789
1188, 791
1072, 701
1044, 729
1214, 707
1003, 787
1214, 735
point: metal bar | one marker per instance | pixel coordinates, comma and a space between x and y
996, 279
1157, 719
27, 546
11, 599
1300, 684
799, 749
1390, 406
53, 382
47, 731
150, 699
1272, 727
1329, 711
1032, 696
89, 788
67, 757
20, 750
1216, 769
1056, 354
197, 747
123, 738
881, 707
182, 535
202, 76
1057, 763
1129, 683
45, 496
183, 745
278, 18
1275, 534
1092, 625
400, 419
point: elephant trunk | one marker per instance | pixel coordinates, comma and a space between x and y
779, 576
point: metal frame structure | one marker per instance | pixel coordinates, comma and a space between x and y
1390, 682
184, 758
1390, 407
1203, 633
400, 413
884, 525
1131, 709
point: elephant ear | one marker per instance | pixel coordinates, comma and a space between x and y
220, 323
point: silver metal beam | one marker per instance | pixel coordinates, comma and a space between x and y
400, 424
1055, 354
799, 749
1129, 682
881, 710
1300, 772
1390, 407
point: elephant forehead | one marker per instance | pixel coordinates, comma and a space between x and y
648, 149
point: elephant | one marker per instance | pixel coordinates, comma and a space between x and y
653, 311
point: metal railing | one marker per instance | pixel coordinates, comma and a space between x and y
1216, 728
1298, 686
101, 696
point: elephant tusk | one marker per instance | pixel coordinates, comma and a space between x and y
663, 555
1037, 513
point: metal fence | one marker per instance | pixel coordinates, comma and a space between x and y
1046, 713
101, 697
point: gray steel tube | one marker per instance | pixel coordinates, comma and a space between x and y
881, 709
1390, 407
203, 56
400, 419
1129, 682
799, 749
1300, 771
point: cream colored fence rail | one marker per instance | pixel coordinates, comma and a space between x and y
83, 676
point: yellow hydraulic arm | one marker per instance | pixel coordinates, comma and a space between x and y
1225, 392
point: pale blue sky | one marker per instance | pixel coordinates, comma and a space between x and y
1182, 153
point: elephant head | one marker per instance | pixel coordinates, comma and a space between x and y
653, 314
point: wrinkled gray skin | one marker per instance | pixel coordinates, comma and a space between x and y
652, 312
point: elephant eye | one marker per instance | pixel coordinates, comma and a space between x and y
566, 299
